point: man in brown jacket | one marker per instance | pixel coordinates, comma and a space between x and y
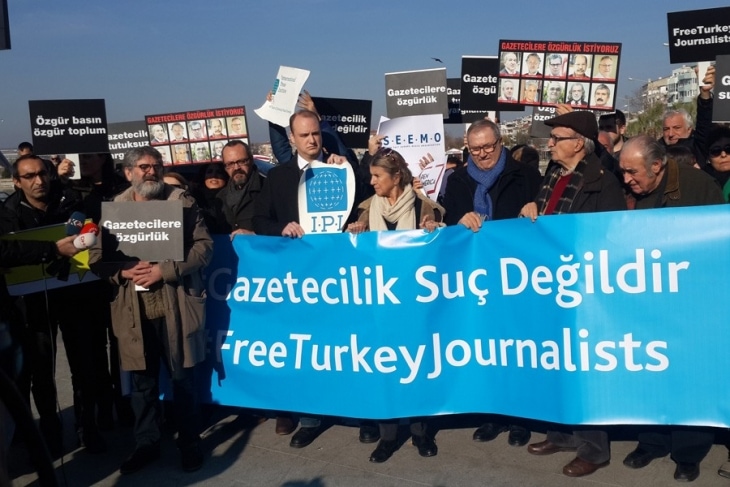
158, 315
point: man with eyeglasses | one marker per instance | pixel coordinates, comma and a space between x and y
236, 128
553, 93
656, 181
244, 185
490, 186
555, 66
605, 68
575, 182
157, 316
36, 202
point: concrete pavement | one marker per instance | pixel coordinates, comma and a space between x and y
256, 457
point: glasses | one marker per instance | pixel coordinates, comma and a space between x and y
555, 65
147, 167
239, 163
605, 65
32, 175
716, 150
557, 138
488, 148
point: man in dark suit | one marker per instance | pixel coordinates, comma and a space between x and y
276, 212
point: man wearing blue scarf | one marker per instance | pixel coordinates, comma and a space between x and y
492, 186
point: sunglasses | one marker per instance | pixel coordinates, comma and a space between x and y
716, 150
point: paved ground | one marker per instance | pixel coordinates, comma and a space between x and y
256, 457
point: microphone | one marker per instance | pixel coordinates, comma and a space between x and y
75, 223
87, 236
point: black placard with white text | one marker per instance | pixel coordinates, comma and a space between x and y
124, 136
68, 126
698, 35
349, 118
479, 87
721, 100
453, 91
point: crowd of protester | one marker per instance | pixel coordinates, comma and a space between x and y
594, 167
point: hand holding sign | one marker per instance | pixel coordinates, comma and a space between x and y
708, 83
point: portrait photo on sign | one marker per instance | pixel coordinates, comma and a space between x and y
532, 65
164, 151
508, 90
604, 68
553, 92
216, 129
201, 152
577, 94
510, 64
602, 96
580, 66
530, 91
178, 132
556, 64
197, 130
181, 154
237, 127
158, 134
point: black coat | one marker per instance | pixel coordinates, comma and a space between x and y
517, 185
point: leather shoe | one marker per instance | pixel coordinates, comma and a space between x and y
639, 458
305, 436
687, 472
724, 470
92, 441
191, 458
284, 425
140, 458
489, 431
546, 448
383, 451
518, 436
426, 446
369, 433
581, 468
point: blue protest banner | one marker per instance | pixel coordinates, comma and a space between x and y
609, 318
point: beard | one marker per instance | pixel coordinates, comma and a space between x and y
148, 189
239, 178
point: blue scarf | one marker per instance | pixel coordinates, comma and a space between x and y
485, 180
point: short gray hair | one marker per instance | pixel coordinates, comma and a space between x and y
134, 155
589, 146
680, 111
649, 148
482, 124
